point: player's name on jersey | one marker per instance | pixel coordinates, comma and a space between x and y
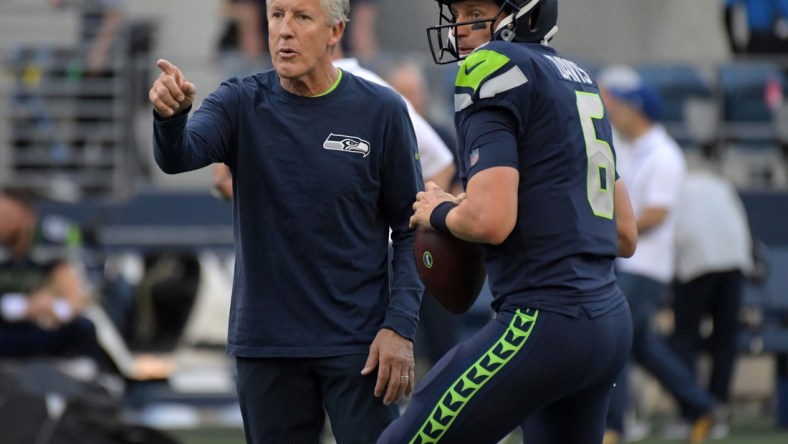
569, 70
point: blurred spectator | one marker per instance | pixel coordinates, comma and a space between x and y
45, 308
243, 42
109, 82
408, 77
361, 38
107, 40
766, 26
652, 165
713, 256
42, 293
99, 27
222, 179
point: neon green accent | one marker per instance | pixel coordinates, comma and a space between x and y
73, 237
334, 86
427, 259
480, 373
478, 66
601, 162
416, 156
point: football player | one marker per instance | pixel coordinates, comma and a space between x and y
544, 200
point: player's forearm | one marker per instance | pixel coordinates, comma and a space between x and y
488, 213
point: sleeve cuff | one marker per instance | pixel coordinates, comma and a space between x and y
175, 118
401, 323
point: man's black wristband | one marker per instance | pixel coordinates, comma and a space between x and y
438, 217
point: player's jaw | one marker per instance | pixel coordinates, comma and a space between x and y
467, 43
465, 50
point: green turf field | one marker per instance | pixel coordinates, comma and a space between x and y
744, 431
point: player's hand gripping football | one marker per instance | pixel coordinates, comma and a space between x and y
171, 93
427, 200
393, 356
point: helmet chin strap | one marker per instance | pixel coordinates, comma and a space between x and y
506, 35
549, 35
503, 30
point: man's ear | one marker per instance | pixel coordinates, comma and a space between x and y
336, 33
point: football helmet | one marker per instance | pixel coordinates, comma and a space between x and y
525, 21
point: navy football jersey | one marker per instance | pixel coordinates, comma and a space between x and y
560, 254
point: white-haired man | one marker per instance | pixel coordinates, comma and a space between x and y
323, 164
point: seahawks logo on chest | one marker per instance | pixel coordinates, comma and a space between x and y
349, 144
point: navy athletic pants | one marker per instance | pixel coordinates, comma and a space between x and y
548, 372
284, 400
717, 294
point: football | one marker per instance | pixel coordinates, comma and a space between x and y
451, 269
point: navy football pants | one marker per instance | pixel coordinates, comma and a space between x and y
551, 372
284, 400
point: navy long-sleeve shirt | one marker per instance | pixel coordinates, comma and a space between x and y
317, 183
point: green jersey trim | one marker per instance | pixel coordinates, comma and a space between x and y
475, 73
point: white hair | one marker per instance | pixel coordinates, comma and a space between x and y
336, 10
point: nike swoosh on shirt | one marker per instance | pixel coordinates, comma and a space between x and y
468, 69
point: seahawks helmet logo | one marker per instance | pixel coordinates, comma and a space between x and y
351, 144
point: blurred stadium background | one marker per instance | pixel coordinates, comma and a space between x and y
85, 143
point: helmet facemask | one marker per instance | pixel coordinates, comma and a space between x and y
527, 21
443, 37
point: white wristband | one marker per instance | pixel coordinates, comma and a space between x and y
13, 307
62, 310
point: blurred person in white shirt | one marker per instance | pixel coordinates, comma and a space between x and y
653, 167
713, 257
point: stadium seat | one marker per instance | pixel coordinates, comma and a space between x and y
751, 94
679, 85
768, 332
766, 304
